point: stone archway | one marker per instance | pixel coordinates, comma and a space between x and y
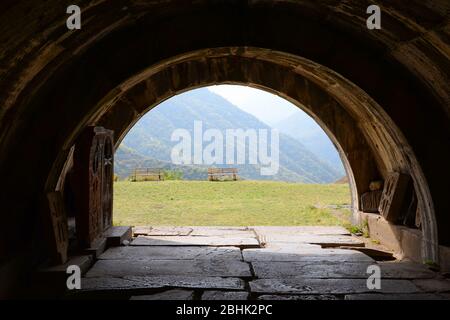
369, 143
56, 83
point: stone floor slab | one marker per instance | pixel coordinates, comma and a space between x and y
299, 253
283, 270
214, 268
433, 285
298, 230
379, 296
227, 232
171, 253
405, 270
322, 240
280, 270
175, 294
298, 297
161, 231
136, 283
327, 286
84, 262
195, 241
141, 230
225, 295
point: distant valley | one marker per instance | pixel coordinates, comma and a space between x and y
148, 144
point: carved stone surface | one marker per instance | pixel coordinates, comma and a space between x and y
393, 197
93, 171
59, 225
370, 201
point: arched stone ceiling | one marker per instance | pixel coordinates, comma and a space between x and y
53, 78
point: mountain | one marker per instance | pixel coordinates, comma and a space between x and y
148, 143
305, 130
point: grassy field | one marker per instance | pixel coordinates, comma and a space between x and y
240, 203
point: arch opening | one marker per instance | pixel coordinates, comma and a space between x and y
205, 124
372, 149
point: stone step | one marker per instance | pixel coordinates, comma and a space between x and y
84, 262
195, 241
97, 248
171, 253
115, 236
206, 268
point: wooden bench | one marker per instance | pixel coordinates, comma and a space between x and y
147, 174
215, 174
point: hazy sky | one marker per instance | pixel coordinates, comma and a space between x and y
267, 107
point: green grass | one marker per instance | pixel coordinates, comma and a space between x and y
240, 203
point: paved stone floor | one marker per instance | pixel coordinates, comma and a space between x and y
265, 263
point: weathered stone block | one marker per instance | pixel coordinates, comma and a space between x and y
225, 295
286, 253
194, 241
115, 236
131, 283
175, 294
171, 253
327, 286
370, 201
215, 268
393, 198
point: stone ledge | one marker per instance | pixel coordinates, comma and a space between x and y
405, 242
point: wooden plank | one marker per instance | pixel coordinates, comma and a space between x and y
215, 173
